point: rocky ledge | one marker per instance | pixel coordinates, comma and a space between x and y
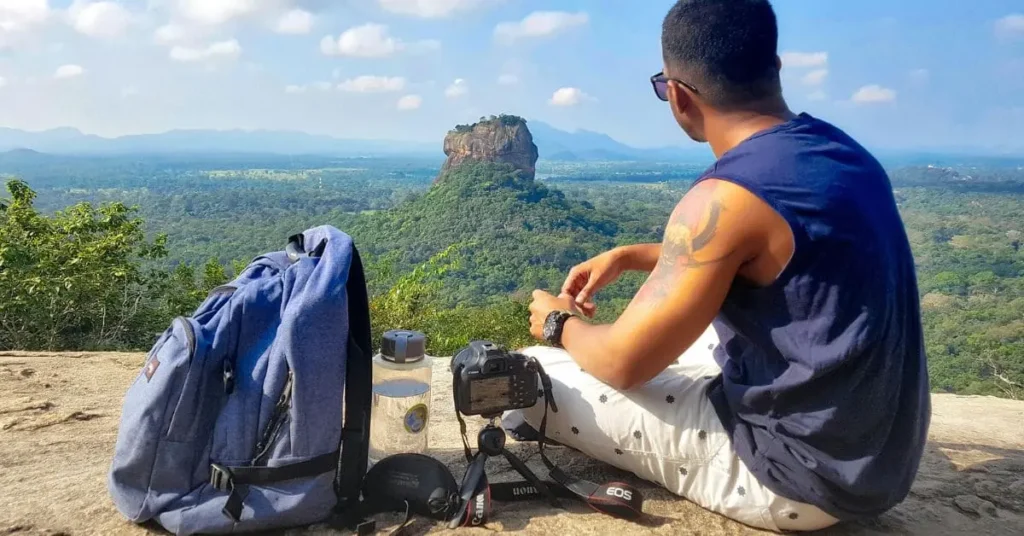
59, 415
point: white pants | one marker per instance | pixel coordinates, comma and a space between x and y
666, 432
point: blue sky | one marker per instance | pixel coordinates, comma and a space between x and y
896, 75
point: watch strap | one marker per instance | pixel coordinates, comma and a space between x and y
559, 317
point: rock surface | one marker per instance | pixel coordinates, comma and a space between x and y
503, 139
58, 424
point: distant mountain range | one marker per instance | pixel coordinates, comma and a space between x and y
553, 144
584, 145
71, 141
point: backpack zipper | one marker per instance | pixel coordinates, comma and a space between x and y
190, 334
223, 289
276, 420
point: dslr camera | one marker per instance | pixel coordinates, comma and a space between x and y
489, 380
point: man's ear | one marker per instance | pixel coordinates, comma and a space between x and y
679, 97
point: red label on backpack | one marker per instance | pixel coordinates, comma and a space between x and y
150, 369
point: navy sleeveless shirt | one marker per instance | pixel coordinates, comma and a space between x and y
824, 389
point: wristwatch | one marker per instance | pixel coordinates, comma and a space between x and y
553, 326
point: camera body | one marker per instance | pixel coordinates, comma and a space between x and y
489, 380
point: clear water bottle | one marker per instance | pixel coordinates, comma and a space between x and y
400, 409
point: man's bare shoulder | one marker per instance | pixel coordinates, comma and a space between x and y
746, 224
723, 212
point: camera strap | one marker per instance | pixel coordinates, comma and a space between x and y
478, 506
617, 499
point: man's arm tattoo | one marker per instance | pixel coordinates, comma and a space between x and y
688, 233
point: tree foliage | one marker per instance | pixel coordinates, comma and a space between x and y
416, 301
503, 120
514, 233
80, 270
76, 280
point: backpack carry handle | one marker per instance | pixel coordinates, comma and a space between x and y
296, 248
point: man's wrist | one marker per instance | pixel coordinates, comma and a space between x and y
634, 257
624, 256
571, 324
554, 325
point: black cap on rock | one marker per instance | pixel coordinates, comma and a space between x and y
403, 346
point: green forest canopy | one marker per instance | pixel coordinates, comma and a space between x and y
503, 119
456, 260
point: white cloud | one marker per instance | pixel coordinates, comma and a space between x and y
295, 22
99, 19
372, 84
184, 33
1010, 26
372, 40
214, 12
3, 81
221, 50
539, 24
429, 9
19, 17
804, 59
329, 46
873, 94
68, 71
297, 89
815, 78
169, 34
409, 102
368, 41
129, 91
193, 22
812, 69
508, 79
23, 11
569, 96
457, 89
919, 75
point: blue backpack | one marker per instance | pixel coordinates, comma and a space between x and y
235, 422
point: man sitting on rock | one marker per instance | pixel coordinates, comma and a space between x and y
771, 368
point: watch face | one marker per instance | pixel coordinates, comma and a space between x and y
549, 327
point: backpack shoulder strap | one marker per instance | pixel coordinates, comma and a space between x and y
355, 434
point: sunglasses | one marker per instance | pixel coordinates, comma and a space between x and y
660, 84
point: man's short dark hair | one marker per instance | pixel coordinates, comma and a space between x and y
726, 48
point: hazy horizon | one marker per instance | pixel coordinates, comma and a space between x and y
918, 75
419, 147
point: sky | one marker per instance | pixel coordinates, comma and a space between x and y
913, 74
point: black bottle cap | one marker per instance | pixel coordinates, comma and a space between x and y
403, 346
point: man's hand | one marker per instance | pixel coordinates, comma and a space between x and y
716, 229
586, 278
542, 305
